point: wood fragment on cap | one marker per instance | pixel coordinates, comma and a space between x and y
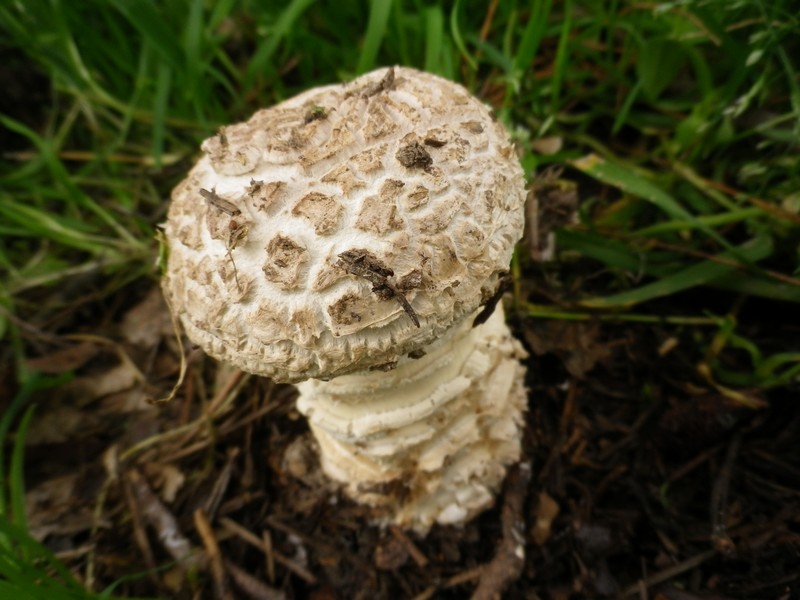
433, 142
220, 203
362, 263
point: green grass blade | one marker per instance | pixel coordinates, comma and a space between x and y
755, 285
434, 32
726, 218
630, 182
562, 54
160, 107
458, 39
696, 275
16, 478
625, 109
379, 12
153, 27
32, 571
9, 414
73, 193
37, 223
613, 253
278, 31
532, 36
191, 46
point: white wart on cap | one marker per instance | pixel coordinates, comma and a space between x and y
344, 228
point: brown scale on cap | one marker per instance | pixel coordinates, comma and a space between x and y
320, 210
414, 155
285, 259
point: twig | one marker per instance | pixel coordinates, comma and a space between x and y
411, 547
220, 485
486, 27
690, 466
237, 231
163, 522
253, 540
227, 395
631, 437
222, 432
269, 556
669, 573
719, 500
139, 534
121, 353
464, 576
507, 565
206, 532
176, 328
386, 83
72, 554
252, 586
220, 203
362, 263
427, 594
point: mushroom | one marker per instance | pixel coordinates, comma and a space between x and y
355, 238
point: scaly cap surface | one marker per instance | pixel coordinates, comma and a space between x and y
309, 240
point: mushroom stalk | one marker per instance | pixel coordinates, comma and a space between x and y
429, 441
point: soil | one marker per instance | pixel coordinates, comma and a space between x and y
640, 479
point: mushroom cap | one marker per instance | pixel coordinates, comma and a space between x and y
308, 241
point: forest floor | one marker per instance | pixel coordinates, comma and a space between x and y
662, 448
634, 483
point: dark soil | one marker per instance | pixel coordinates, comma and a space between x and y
639, 479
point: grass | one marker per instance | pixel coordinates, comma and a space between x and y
678, 122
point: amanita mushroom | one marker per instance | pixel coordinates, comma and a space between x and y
355, 238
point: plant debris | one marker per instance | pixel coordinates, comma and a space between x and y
362, 263
641, 481
386, 83
414, 156
220, 203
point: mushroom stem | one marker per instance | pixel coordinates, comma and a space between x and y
429, 441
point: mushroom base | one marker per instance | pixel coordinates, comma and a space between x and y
428, 442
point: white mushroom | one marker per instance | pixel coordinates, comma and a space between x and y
349, 238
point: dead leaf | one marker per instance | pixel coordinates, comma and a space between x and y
111, 381
551, 144
576, 344
547, 510
58, 424
66, 359
54, 508
167, 478
552, 203
147, 322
